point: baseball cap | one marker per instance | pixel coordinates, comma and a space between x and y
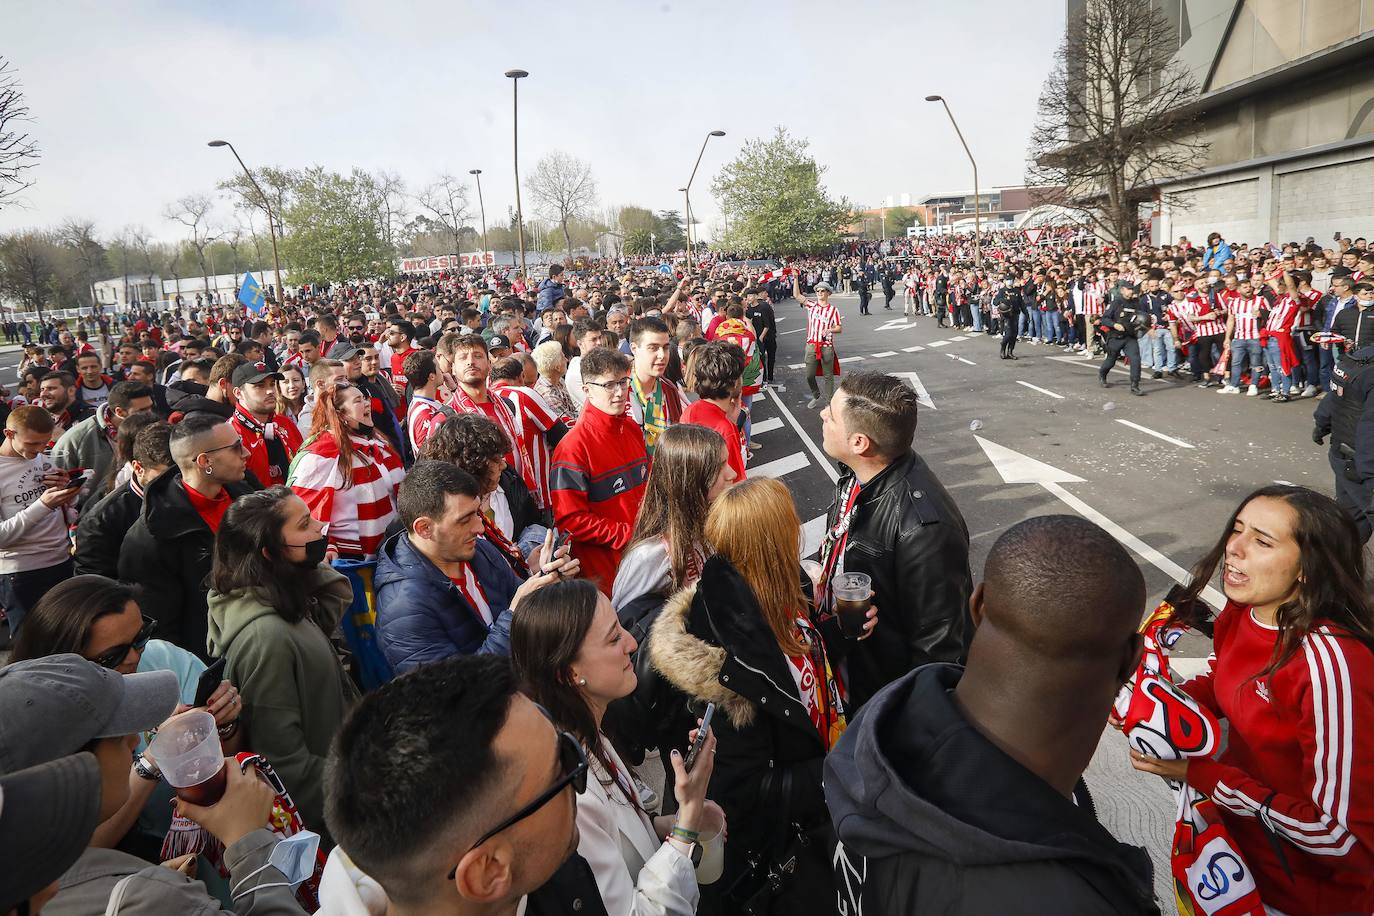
824, 286
347, 354
251, 374
54, 706
47, 815
1130, 284
498, 342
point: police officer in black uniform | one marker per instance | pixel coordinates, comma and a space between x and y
761, 315
1123, 321
863, 284
1347, 415
1006, 303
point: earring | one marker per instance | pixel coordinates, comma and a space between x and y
582, 682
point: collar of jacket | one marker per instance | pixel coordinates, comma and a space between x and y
168, 512
883, 482
596, 418
415, 564
710, 641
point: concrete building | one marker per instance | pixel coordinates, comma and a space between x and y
1287, 104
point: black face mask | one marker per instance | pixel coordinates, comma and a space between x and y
314, 552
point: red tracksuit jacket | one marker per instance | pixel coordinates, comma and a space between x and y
1300, 755
597, 484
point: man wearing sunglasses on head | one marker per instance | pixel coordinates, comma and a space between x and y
476, 818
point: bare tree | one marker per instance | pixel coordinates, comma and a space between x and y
87, 252
194, 211
564, 190
392, 201
1113, 118
277, 184
30, 269
445, 205
18, 151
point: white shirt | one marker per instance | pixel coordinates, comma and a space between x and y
572, 380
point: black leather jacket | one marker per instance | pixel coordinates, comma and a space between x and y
908, 534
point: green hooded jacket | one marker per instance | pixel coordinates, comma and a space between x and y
295, 691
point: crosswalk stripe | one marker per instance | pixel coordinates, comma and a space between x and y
916, 349
812, 532
765, 426
797, 366
781, 466
939, 343
884, 353
960, 337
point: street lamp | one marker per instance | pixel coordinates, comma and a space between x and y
688, 190
271, 219
977, 201
482, 207
515, 77
687, 225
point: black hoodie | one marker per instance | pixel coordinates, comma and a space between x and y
934, 818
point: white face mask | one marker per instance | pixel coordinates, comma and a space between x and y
1365, 303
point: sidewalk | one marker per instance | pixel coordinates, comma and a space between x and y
1136, 807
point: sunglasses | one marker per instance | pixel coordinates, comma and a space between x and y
572, 760
115, 657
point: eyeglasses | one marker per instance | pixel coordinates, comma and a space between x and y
115, 657
237, 443
573, 762
614, 385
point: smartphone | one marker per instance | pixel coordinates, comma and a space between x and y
77, 477
561, 538
210, 680
702, 731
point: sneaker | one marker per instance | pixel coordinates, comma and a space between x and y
1157, 374
813, 403
1309, 391
1253, 392
1282, 399
1228, 389
1137, 392
1104, 383
648, 798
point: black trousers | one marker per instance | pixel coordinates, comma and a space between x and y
864, 297
1353, 496
1201, 357
770, 358
1116, 348
1008, 333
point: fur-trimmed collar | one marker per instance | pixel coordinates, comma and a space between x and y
691, 664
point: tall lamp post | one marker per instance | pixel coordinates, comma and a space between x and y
688, 190
515, 77
687, 225
481, 206
977, 201
271, 218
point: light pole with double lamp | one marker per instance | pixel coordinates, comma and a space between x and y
977, 201
477, 173
515, 77
688, 190
271, 218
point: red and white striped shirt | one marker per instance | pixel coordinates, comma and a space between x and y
1245, 313
533, 418
821, 321
422, 419
357, 510
1095, 298
293, 359
1282, 315
1197, 305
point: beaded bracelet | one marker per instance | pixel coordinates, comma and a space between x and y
682, 833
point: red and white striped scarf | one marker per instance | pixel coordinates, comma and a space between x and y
506, 420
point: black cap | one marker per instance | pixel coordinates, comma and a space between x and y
1130, 284
498, 342
252, 373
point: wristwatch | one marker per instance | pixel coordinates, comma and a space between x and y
146, 769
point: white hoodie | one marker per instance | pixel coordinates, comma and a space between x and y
32, 536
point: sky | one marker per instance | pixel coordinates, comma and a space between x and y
125, 95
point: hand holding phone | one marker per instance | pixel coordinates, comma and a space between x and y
210, 680
703, 731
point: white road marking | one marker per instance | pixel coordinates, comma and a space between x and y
922, 396
916, 349
1096, 366
793, 331
960, 337
939, 343
1158, 435
815, 449
1015, 467
895, 324
765, 426
882, 354
797, 366
781, 467
781, 318
966, 362
1286, 483
854, 359
1039, 389
812, 532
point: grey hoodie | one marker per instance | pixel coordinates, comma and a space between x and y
934, 818
158, 891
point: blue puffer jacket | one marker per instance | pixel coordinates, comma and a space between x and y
550, 291
422, 617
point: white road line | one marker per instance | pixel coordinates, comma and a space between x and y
1150, 432
882, 354
812, 532
765, 426
793, 331
966, 362
1039, 389
781, 318
960, 337
796, 366
922, 396
781, 467
1286, 483
939, 343
916, 349
806, 440
854, 359
1096, 366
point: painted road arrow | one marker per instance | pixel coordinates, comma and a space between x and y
1018, 468
922, 396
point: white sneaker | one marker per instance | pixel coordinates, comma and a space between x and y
1228, 389
1309, 391
1253, 392
813, 403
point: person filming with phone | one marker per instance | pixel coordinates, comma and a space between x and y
573, 658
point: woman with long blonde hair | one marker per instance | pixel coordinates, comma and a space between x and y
741, 638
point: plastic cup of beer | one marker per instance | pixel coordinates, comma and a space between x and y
853, 593
711, 836
188, 753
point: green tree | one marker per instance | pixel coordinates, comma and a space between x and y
671, 234
772, 199
335, 234
38, 271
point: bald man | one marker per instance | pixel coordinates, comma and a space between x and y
959, 790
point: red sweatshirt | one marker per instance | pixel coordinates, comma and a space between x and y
1300, 746
598, 475
704, 413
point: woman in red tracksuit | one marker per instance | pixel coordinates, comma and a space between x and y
1292, 672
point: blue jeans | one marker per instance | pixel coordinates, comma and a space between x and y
1245, 351
1328, 357
745, 402
977, 317
20, 591
1023, 324
1158, 351
1278, 379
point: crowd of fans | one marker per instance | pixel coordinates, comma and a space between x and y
442, 559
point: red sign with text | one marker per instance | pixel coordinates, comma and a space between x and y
436, 263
